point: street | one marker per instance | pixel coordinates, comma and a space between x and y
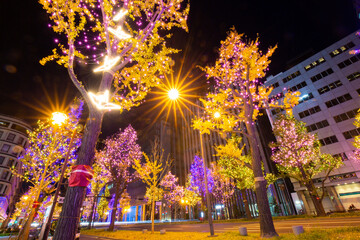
282, 226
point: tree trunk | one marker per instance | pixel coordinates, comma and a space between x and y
246, 204
91, 216
152, 215
69, 217
267, 229
320, 211
113, 212
120, 216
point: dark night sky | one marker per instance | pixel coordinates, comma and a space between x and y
296, 26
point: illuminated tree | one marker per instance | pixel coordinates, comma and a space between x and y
224, 186
103, 206
124, 204
116, 160
152, 172
191, 196
173, 193
356, 142
127, 39
236, 100
98, 182
43, 158
197, 179
298, 156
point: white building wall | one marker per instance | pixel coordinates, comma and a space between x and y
350, 171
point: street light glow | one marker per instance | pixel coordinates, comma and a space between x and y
217, 115
58, 118
173, 94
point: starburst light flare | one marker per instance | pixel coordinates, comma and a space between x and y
120, 14
58, 118
217, 115
101, 101
173, 94
119, 33
108, 64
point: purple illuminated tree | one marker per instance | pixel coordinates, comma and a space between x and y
116, 160
42, 162
298, 156
126, 40
197, 179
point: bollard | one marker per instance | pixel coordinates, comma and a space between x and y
144, 231
298, 229
243, 231
162, 231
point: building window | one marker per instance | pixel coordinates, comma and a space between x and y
351, 133
10, 137
4, 123
315, 64
297, 87
276, 97
274, 85
291, 76
2, 158
276, 111
5, 175
5, 188
345, 116
5, 148
309, 112
349, 61
317, 125
10, 162
343, 156
1, 133
342, 176
20, 140
329, 87
305, 97
328, 140
342, 49
353, 76
338, 100
19, 128
322, 75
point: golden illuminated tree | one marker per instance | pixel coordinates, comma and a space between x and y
152, 172
126, 40
236, 101
356, 142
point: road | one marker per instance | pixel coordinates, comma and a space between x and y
282, 226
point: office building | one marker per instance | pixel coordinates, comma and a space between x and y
13, 139
329, 83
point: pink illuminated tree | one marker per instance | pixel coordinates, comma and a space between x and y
126, 40
116, 160
298, 156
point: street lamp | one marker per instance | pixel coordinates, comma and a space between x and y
59, 119
173, 95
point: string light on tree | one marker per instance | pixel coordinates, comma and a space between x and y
119, 33
101, 101
120, 14
108, 64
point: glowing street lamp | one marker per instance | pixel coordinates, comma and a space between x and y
58, 118
173, 94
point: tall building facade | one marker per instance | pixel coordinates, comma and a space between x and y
329, 83
13, 139
189, 139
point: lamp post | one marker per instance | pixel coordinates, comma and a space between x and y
173, 94
59, 119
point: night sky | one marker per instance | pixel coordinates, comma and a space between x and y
295, 26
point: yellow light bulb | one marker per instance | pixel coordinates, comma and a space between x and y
217, 115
